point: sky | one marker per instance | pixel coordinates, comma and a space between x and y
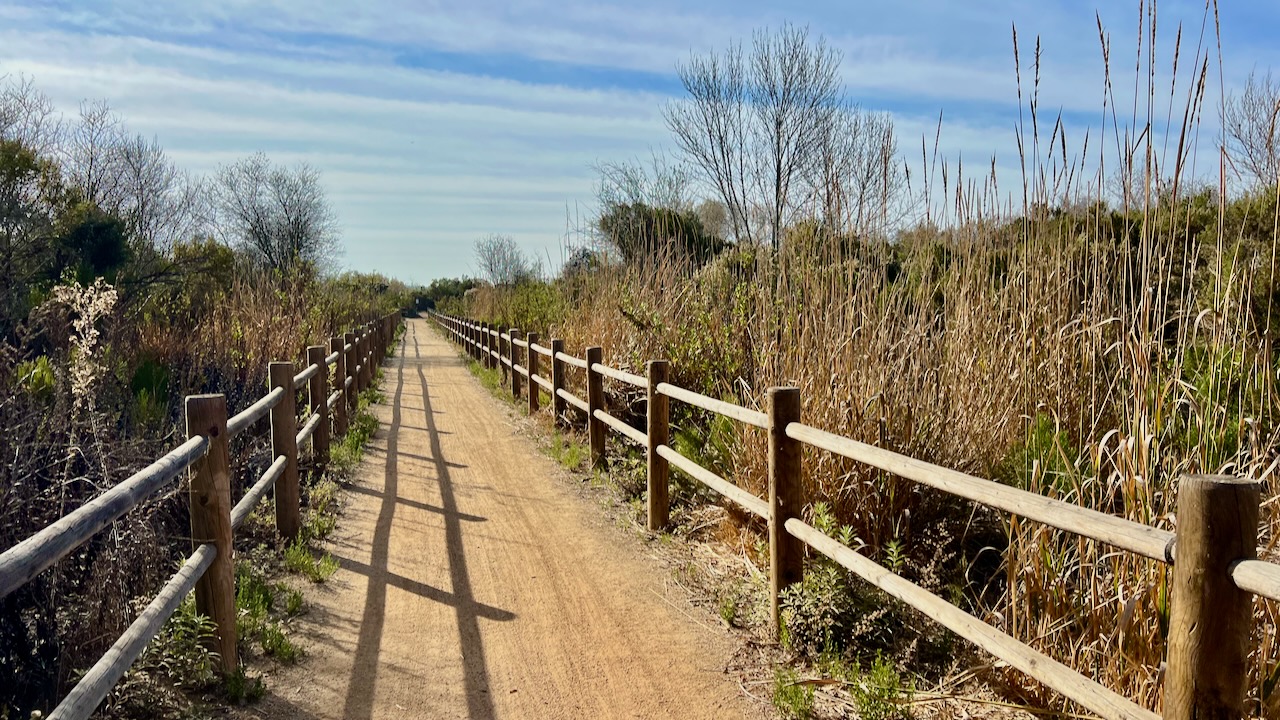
435, 123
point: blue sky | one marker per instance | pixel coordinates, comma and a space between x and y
434, 123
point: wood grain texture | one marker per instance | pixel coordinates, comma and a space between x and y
210, 497
786, 498
284, 443
1210, 618
595, 401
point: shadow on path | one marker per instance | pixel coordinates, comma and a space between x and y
360, 695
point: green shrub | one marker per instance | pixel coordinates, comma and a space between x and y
792, 698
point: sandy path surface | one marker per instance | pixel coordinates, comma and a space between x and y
474, 582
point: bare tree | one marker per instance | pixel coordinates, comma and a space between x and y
28, 115
774, 134
1251, 128
502, 262
279, 214
857, 177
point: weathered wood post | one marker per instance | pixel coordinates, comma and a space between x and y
284, 429
366, 361
504, 351
531, 357
318, 391
351, 360
786, 498
210, 498
558, 404
657, 410
339, 378
1210, 618
486, 342
595, 401
515, 360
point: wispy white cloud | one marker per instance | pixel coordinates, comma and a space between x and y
436, 122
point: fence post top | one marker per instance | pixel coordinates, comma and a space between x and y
205, 397
279, 363
657, 363
1207, 479
783, 390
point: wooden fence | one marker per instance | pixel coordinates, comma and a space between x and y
210, 569
1214, 579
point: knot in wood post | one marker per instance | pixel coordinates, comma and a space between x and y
595, 402
658, 413
786, 498
1210, 618
210, 499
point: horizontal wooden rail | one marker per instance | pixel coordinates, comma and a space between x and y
568, 359
333, 399
506, 361
572, 399
626, 430
1259, 577
720, 407
85, 697
1100, 699
520, 343
520, 369
30, 557
1135, 537
310, 427
308, 373
544, 383
346, 384
620, 375
543, 351
254, 412
255, 493
330, 359
752, 503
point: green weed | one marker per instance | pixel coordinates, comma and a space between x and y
793, 699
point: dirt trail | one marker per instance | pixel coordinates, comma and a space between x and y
475, 583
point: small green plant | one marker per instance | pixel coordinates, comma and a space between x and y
792, 698
301, 559
293, 602
729, 610
278, 645
36, 378
881, 694
181, 650
241, 687
568, 451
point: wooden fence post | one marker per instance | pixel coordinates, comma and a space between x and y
210, 498
485, 341
595, 401
559, 407
366, 362
657, 410
515, 360
350, 362
503, 352
786, 498
1210, 618
339, 378
318, 390
531, 362
284, 429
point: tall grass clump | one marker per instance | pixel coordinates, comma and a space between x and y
1091, 334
